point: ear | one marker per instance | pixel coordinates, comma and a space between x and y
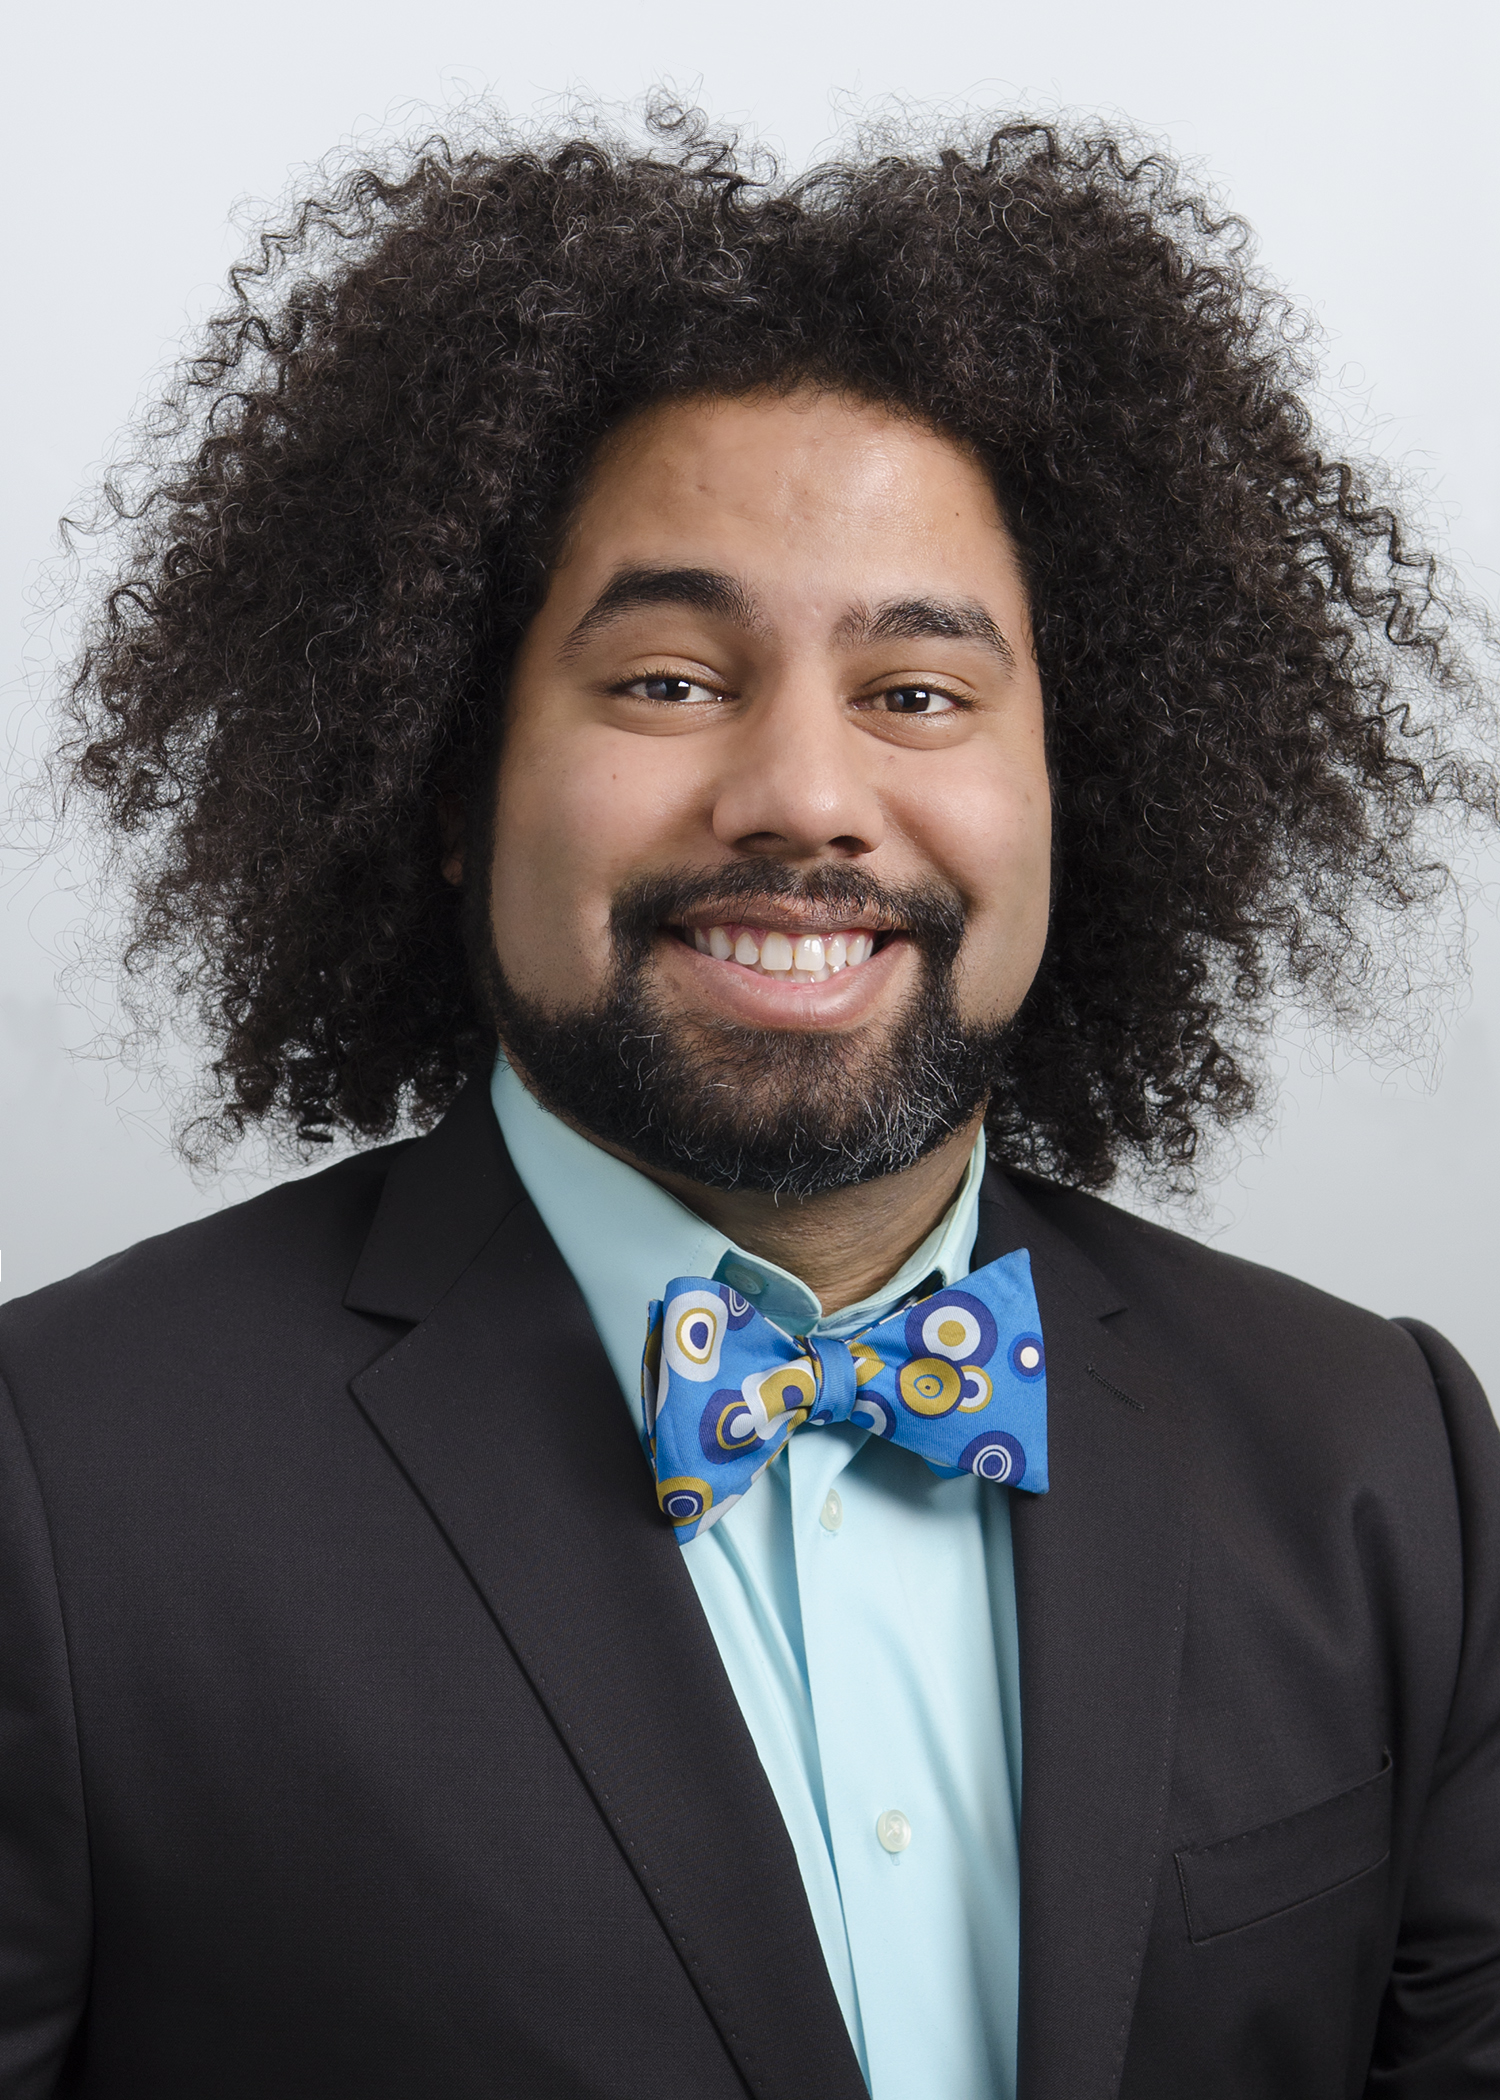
450, 811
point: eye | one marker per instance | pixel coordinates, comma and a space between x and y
670, 690
915, 700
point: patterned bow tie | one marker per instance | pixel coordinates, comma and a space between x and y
959, 1378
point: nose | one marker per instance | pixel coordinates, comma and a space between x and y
798, 780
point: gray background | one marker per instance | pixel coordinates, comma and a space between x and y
1358, 142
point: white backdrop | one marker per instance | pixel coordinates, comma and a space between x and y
1358, 142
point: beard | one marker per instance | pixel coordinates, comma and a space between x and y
791, 1112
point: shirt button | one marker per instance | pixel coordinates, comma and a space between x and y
893, 1830
831, 1515
745, 1281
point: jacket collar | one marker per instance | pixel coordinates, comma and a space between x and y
443, 1197
500, 1407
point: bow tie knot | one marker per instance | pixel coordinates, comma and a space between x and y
959, 1378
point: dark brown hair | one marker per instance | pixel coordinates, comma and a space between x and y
1249, 678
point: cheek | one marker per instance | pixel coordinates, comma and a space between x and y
995, 846
576, 817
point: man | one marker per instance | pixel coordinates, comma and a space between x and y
774, 712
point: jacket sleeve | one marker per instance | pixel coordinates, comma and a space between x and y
1439, 2036
44, 1872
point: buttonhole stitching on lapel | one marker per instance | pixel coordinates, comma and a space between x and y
1110, 1387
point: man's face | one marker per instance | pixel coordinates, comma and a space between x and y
773, 820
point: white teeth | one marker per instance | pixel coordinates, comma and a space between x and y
811, 959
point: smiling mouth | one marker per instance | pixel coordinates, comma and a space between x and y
793, 957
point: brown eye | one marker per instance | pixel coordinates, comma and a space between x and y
915, 700
674, 692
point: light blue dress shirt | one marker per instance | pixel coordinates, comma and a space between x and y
865, 1612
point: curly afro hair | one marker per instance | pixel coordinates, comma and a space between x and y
1250, 682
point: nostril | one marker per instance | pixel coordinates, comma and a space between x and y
775, 845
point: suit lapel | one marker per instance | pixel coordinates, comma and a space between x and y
501, 1409
1101, 1579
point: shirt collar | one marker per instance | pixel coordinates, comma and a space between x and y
624, 1237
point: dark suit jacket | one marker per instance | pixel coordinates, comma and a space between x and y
361, 1737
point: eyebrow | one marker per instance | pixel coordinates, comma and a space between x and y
702, 590
925, 620
725, 598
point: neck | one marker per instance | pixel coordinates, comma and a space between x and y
847, 1243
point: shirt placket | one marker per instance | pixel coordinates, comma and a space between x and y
897, 1829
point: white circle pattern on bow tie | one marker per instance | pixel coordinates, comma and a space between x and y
693, 1334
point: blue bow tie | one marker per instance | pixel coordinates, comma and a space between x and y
959, 1378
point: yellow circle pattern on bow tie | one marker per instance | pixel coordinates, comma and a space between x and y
930, 1386
735, 1428
867, 1364
952, 1331
684, 1499
788, 1388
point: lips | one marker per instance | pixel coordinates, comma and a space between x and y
792, 957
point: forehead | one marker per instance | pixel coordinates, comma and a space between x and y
808, 485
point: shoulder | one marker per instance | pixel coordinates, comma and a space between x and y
277, 1260
1264, 1343
1169, 1272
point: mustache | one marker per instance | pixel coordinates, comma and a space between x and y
930, 914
